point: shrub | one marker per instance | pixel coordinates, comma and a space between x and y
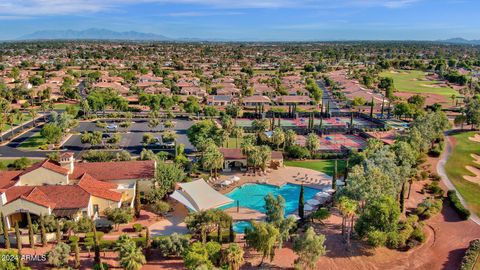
97, 266
377, 238
418, 234
173, 245
423, 175
106, 244
471, 255
435, 152
140, 241
435, 177
394, 240
296, 151
73, 239
463, 212
428, 208
137, 227
101, 124
160, 207
434, 189
90, 235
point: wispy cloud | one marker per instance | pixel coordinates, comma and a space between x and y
72, 7
203, 14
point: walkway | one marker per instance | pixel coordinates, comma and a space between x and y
443, 174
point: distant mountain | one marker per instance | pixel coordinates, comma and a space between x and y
460, 41
92, 33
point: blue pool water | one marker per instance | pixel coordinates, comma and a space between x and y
252, 196
240, 226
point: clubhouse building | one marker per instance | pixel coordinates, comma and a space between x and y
71, 189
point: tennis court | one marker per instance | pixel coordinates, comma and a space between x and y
336, 141
303, 122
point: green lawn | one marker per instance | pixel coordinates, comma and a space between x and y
26, 118
325, 166
34, 142
455, 168
414, 81
232, 143
5, 163
63, 106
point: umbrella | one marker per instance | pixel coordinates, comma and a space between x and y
328, 138
226, 182
313, 202
235, 178
308, 207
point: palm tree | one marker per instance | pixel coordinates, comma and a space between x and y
233, 256
265, 155
20, 117
237, 132
10, 122
33, 113
348, 208
131, 256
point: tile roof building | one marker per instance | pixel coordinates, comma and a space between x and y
71, 189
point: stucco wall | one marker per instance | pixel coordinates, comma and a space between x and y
102, 204
42, 176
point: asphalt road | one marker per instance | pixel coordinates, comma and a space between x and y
327, 97
131, 139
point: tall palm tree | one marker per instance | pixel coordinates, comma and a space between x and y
233, 256
10, 122
20, 117
237, 132
348, 209
33, 113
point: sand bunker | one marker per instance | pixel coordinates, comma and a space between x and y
475, 138
476, 159
431, 85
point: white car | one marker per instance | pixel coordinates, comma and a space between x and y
112, 127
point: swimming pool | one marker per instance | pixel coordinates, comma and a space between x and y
252, 196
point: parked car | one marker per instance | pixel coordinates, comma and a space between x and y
112, 127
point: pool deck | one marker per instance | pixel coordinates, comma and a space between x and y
245, 214
280, 177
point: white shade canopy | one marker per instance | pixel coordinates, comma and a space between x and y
198, 195
235, 178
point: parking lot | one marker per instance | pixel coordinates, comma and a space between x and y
131, 137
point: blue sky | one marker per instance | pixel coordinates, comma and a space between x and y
250, 19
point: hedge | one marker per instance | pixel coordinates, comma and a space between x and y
471, 255
463, 212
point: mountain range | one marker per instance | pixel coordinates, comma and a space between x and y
459, 40
105, 34
92, 33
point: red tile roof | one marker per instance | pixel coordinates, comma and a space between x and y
99, 188
46, 164
8, 178
115, 170
66, 196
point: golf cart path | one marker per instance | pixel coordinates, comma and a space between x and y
443, 174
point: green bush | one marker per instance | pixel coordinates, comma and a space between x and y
140, 241
97, 267
296, 151
463, 212
394, 240
73, 238
106, 244
377, 238
90, 235
137, 227
418, 234
470, 258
